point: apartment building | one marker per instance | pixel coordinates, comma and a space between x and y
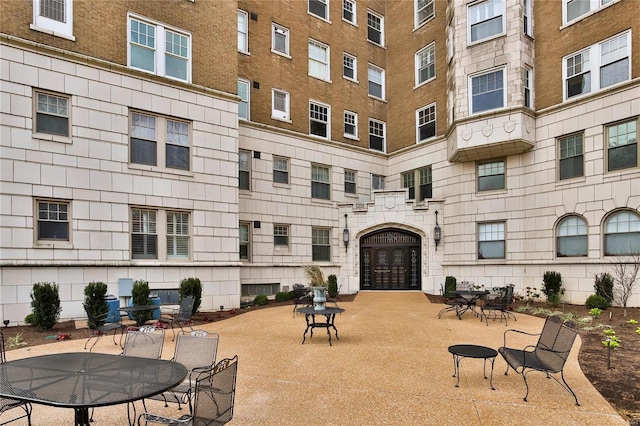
393, 143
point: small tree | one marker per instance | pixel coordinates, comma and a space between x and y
552, 286
140, 296
95, 298
45, 302
626, 271
333, 285
191, 287
604, 286
449, 286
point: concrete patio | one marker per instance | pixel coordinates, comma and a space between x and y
391, 366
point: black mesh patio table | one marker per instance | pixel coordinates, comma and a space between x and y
310, 317
83, 380
472, 351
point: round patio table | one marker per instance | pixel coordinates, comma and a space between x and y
472, 351
310, 317
83, 380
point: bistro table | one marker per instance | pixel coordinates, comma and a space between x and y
470, 298
131, 310
473, 351
84, 380
310, 317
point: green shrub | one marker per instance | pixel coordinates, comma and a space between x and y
552, 286
260, 300
140, 296
29, 319
191, 287
333, 285
95, 298
604, 287
45, 302
282, 296
449, 286
596, 301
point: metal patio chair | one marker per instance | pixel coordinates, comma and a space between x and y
145, 342
211, 398
498, 302
451, 301
548, 355
181, 317
99, 327
7, 404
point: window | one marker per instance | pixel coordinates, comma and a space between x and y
320, 247
320, 8
159, 50
243, 105
279, 105
486, 20
319, 120
281, 170
622, 145
376, 135
375, 28
571, 240
318, 60
622, 234
426, 64
409, 182
491, 176
52, 114
53, 220
491, 244
349, 67
377, 182
350, 125
244, 240
280, 235
159, 141
487, 91
598, 66
426, 182
426, 122
425, 10
376, 82
528, 87
349, 182
177, 235
144, 234
243, 31
571, 156
527, 18
320, 187
280, 42
349, 11
574, 9
424, 179
244, 170
55, 16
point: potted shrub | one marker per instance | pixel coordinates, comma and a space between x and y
333, 285
95, 294
191, 287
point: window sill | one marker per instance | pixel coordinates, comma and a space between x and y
284, 120
377, 98
48, 31
351, 79
351, 137
319, 17
155, 169
424, 83
52, 138
320, 78
282, 185
53, 245
484, 40
350, 23
284, 55
244, 52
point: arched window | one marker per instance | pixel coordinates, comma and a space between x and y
571, 239
622, 234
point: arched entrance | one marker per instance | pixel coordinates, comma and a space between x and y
390, 260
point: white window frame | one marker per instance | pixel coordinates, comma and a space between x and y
504, 90
488, 171
323, 64
375, 128
315, 114
352, 4
429, 113
354, 61
594, 6
420, 7
52, 212
375, 71
280, 168
244, 240
621, 223
158, 224
377, 182
279, 29
43, 106
572, 152
350, 181
572, 228
59, 28
492, 232
243, 31
318, 181
380, 30
527, 17
350, 118
479, 13
280, 114
326, 9
594, 62
281, 235
244, 100
625, 135
244, 167
428, 54
175, 234
159, 50
527, 82
320, 239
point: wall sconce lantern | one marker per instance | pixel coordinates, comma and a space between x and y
345, 233
437, 232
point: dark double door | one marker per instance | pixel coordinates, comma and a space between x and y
390, 260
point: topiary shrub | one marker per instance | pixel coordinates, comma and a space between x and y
282, 296
604, 287
261, 300
449, 286
596, 301
191, 287
333, 285
140, 296
95, 294
552, 286
45, 303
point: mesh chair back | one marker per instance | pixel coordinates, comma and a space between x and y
464, 285
186, 306
144, 343
215, 399
7, 404
196, 349
554, 344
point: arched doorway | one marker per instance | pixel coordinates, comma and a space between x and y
390, 260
